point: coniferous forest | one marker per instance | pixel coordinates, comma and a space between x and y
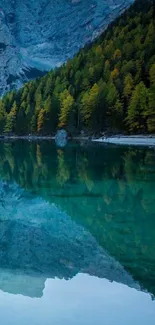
108, 86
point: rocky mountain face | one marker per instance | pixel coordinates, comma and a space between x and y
36, 36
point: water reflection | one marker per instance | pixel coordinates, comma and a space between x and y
83, 300
81, 209
38, 241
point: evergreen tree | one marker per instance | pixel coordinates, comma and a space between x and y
41, 120
138, 109
89, 104
128, 86
2, 117
11, 120
66, 108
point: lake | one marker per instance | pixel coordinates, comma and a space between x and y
77, 234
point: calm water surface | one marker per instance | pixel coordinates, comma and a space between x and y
77, 234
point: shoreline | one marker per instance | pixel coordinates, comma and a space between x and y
26, 137
133, 140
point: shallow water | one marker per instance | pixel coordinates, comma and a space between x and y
77, 234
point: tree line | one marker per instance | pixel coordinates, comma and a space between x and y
109, 85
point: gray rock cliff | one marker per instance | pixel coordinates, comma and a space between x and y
36, 36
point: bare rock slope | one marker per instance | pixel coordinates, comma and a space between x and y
38, 35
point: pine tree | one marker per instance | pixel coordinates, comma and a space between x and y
89, 105
2, 117
138, 109
11, 120
66, 107
152, 74
41, 121
151, 113
128, 86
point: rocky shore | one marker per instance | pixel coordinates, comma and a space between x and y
137, 140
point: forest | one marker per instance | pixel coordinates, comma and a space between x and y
108, 86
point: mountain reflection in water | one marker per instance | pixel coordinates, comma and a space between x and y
39, 241
81, 209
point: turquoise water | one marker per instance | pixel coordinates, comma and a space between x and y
77, 234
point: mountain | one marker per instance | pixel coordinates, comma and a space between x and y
108, 85
36, 36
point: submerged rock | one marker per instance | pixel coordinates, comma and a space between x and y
61, 138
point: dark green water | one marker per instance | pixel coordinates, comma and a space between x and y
77, 234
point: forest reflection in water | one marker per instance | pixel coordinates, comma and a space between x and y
108, 190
